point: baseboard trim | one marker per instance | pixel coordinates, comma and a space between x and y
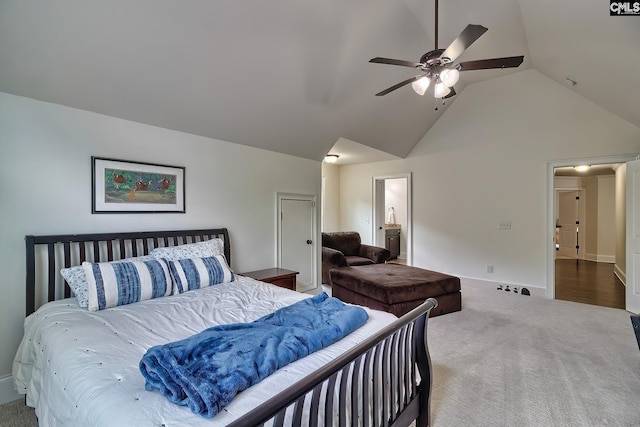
609, 259
7, 393
621, 274
493, 284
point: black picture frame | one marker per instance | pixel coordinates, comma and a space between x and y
126, 186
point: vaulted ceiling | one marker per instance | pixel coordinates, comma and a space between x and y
293, 76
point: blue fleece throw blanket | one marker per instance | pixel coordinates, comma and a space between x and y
207, 370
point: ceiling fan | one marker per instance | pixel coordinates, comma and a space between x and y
438, 65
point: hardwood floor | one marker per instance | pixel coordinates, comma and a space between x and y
589, 283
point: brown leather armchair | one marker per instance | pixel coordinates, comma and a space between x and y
344, 248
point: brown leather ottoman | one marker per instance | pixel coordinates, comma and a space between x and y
396, 288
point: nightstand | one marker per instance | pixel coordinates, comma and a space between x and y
276, 276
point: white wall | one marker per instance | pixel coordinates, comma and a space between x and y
606, 251
484, 161
331, 197
607, 218
590, 226
601, 218
45, 170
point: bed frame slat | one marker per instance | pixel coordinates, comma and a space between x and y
355, 391
328, 403
67, 264
96, 251
385, 382
342, 403
407, 372
51, 274
297, 411
424, 367
123, 248
279, 420
83, 251
366, 385
377, 381
393, 383
315, 403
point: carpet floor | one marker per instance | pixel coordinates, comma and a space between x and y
513, 360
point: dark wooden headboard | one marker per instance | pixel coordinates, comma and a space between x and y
46, 255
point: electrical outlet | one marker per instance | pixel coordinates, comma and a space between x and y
504, 225
489, 268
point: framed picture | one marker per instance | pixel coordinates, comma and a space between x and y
122, 186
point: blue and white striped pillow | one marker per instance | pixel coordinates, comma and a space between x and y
196, 273
118, 283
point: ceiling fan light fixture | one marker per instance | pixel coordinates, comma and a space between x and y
441, 90
449, 76
420, 86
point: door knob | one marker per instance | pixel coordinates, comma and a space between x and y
309, 242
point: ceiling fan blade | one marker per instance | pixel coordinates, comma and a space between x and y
451, 94
463, 41
400, 62
485, 64
399, 85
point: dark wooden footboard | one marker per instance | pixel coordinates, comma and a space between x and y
384, 381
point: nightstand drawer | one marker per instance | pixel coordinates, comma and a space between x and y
285, 282
275, 276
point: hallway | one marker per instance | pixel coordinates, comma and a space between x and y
589, 283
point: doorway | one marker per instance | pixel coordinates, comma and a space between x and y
587, 228
392, 220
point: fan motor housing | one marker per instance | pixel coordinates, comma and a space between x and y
432, 58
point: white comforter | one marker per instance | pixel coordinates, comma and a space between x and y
81, 368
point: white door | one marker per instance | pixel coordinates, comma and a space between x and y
633, 237
297, 240
568, 224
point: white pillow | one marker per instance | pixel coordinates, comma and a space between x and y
204, 249
119, 283
77, 279
197, 273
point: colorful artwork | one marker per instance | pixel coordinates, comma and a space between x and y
136, 187
128, 186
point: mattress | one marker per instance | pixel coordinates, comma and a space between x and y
81, 368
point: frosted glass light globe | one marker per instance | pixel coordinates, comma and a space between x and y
420, 86
450, 76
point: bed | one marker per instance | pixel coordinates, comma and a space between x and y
80, 367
